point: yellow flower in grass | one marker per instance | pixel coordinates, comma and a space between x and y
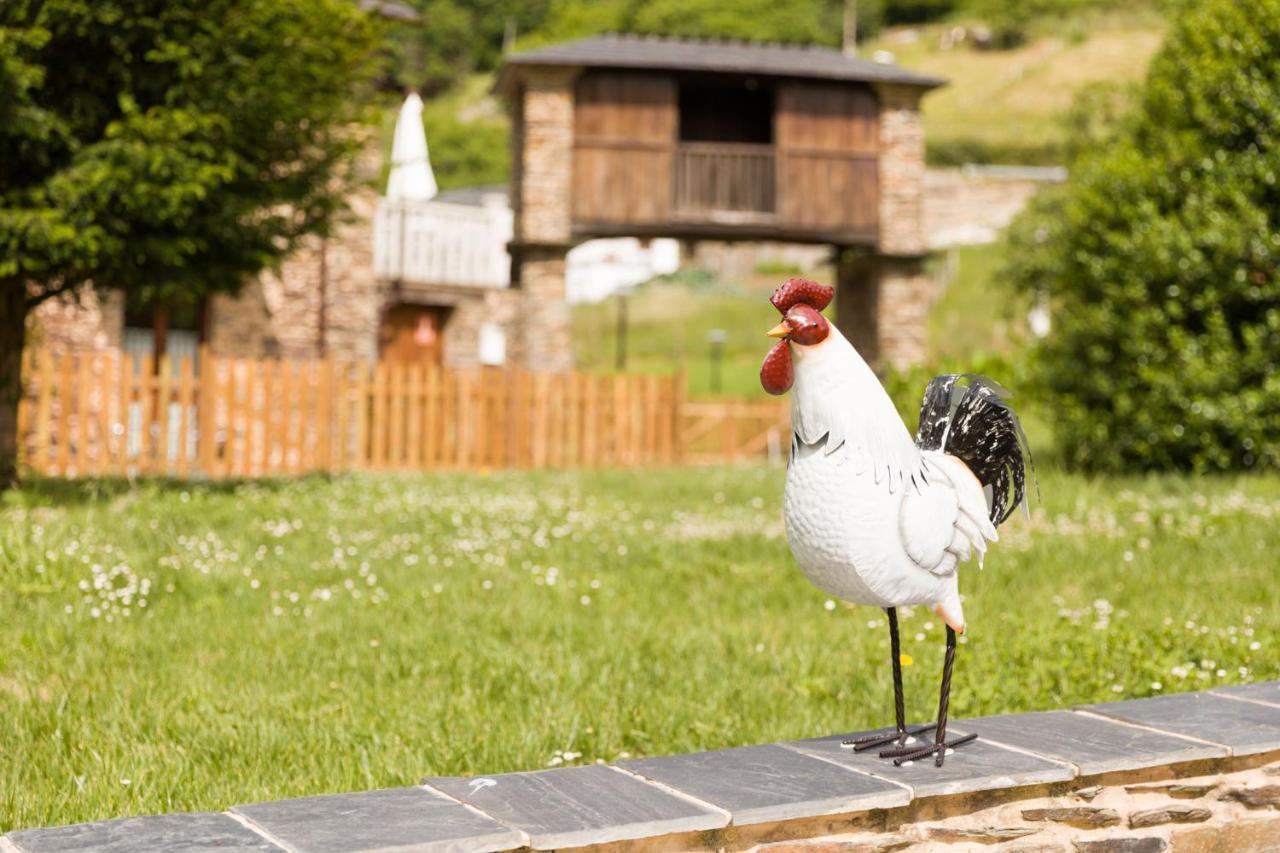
906, 660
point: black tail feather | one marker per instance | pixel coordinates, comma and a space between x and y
969, 417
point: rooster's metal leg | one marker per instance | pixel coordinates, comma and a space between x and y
900, 734
940, 744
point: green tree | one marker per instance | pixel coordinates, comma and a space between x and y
1161, 261
167, 148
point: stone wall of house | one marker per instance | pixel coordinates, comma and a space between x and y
884, 296
901, 170
542, 185
324, 300
90, 320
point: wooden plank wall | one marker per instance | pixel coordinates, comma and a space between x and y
828, 143
92, 414
624, 142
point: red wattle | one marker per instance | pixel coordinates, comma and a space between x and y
777, 373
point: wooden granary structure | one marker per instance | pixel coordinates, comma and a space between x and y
647, 136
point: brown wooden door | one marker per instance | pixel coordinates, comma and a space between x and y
412, 334
624, 136
828, 138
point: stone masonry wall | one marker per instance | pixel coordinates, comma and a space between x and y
1146, 812
883, 307
902, 171
543, 218
91, 320
546, 158
325, 300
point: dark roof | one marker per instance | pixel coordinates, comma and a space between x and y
739, 57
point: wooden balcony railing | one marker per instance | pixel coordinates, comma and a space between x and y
725, 182
432, 242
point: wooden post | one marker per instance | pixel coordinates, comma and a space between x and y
730, 435
81, 458
104, 397
24, 405
338, 392
43, 428
249, 434
431, 418
162, 414
125, 391
64, 413
146, 398
379, 422
678, 396
362, 455
186, 393
206, 413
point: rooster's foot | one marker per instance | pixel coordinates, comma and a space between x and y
904, 754
899, 737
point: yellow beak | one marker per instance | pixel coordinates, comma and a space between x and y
779, 331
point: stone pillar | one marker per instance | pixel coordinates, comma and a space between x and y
882, 307
901, 170
884, 294
542, 184
545, 343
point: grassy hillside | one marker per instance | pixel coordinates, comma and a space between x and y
1009, 106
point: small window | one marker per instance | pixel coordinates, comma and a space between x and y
726, 112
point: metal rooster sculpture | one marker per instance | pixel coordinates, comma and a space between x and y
874, 517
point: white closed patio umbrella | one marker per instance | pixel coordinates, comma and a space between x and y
411, 176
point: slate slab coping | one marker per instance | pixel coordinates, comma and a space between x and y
577, 806
760, 784
1093, 744
978, 766
181, 832
407, 820
1262, 691
1244, 728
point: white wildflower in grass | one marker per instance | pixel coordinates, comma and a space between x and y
585, 600
828, 605
1156, 685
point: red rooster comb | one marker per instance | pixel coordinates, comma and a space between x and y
797, 291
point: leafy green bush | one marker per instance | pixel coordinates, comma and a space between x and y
1161, 261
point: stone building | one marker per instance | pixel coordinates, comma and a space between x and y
613, 137
713, 140
326, 300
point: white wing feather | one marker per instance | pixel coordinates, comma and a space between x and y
945, 519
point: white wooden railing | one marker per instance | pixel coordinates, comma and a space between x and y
432, 242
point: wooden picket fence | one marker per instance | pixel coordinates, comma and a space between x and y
94, 413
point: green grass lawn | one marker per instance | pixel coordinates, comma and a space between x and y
174, 647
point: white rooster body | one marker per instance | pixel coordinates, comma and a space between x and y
871, 518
